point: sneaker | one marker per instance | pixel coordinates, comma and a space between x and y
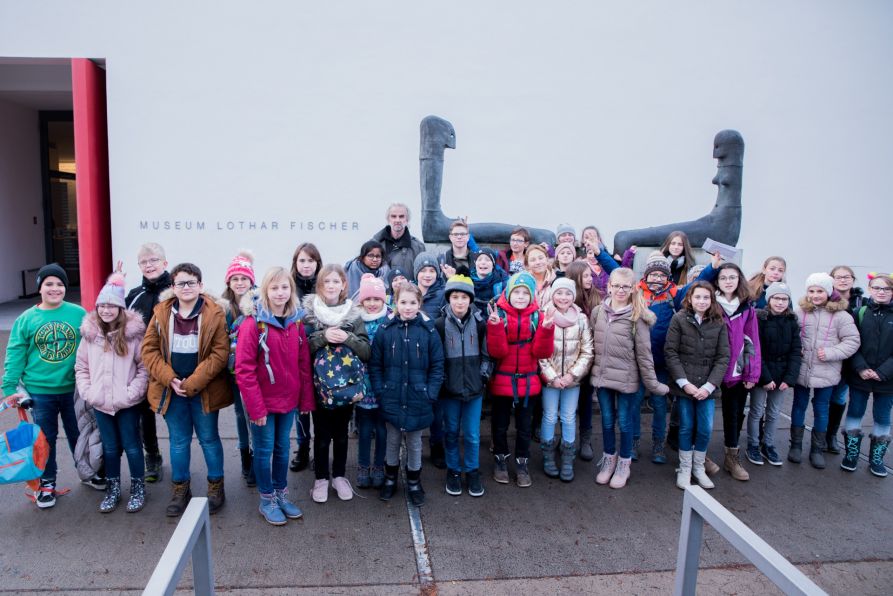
270, 510
377, 474
453, 483
320, 491
95, 482
770, 455
289, 509
343, 488
153, 467
45, 496
754, 456
364, 477
475, 488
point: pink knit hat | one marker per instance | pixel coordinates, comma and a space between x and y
370, 287
242, 264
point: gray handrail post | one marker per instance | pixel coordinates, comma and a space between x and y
691, 534
192, 537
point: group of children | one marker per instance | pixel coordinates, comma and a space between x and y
541, 331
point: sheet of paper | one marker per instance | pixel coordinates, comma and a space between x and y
728, 253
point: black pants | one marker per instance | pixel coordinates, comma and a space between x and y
330, 426
147, 424
502, 416
734, 398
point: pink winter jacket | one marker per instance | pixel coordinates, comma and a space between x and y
105, 380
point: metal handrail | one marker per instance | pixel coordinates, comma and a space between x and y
192, 538
698, 507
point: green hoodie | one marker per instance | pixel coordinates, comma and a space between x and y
41, 350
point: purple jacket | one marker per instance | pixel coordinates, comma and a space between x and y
745, 362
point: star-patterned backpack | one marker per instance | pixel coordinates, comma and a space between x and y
338, 376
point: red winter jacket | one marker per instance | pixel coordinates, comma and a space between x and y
290, 361
517, 351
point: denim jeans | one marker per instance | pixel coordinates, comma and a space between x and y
617, 407
880, 410
584, 405
331, 428
658, 403
838, 396
302, 424
241, 420
694, 412
762, 401
559, 404
46, 412
149, 427
121, 433
465, 416
271, 443
821, 397
436, 429
370, 420
502, 416
185, 415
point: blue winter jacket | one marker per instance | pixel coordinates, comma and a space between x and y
433, 299
406, 371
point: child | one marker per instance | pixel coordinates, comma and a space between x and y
562, 372
511, 260
745, 364
368, 413
156, 279
370, 261
111, 378
239, 279
406, 371
773, 271
697, 355
565, 254
336, 330
41, 356
678, 251
517, 339
780, 350
829, 337
185, 351
430, 283
621, 332
463, 331
489, 279
273, 373
395, 277
871, 373
587, 299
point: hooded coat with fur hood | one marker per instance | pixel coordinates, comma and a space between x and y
829, 327
105, 380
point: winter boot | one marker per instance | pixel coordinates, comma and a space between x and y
852, 443
586, 453
795, 454
377, 474
389, 486
501, 469
289, 509
523, 474
270, 510
549, 467
112, 495
153, 467
364, 479
414, 488
711, 467
179, 499
683, 472
876, 453
658, 455
621, 473
216, 495
835, 415
438, 456
606, 467
733, 465
137, 498
248, 467
817, 450
568, 453
698, 471
302, 458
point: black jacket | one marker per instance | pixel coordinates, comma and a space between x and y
697, 352
144, 298
876, 350
466, 365
780, 347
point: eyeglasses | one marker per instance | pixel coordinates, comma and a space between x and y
620, 288
186, 284
881, 289
728, 278
459, 234
516, 240
146, 262
373, 256
656, 276
843, 277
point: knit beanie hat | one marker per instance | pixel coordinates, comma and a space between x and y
370, 287
565, 229
112, 292
51, 270
242, 264
563, 246
563, 283
487, 252
394, 274
657, 262
521, 279
822, 280
778, 287
459, 283
425, 259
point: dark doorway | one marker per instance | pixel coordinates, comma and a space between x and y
59, 191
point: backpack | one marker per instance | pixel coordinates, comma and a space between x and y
24, 451
338, 376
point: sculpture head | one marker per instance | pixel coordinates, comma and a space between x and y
436, 134
728, 148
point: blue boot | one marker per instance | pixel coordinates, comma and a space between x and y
269, 508
852, 445
288, 508
876, 455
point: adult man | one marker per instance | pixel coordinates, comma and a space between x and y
400, 247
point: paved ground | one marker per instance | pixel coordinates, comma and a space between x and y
550, 538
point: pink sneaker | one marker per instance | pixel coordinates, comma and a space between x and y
343, 488
320, 491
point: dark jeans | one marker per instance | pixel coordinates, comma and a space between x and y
331, 427
302, 421
121, 433
502, 416
369, 421
241, 420
46, 412
584, 405
436, 428
821, 398
617, 409
148, 426
271, 442
734, 398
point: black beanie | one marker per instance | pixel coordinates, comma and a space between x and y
51, 270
